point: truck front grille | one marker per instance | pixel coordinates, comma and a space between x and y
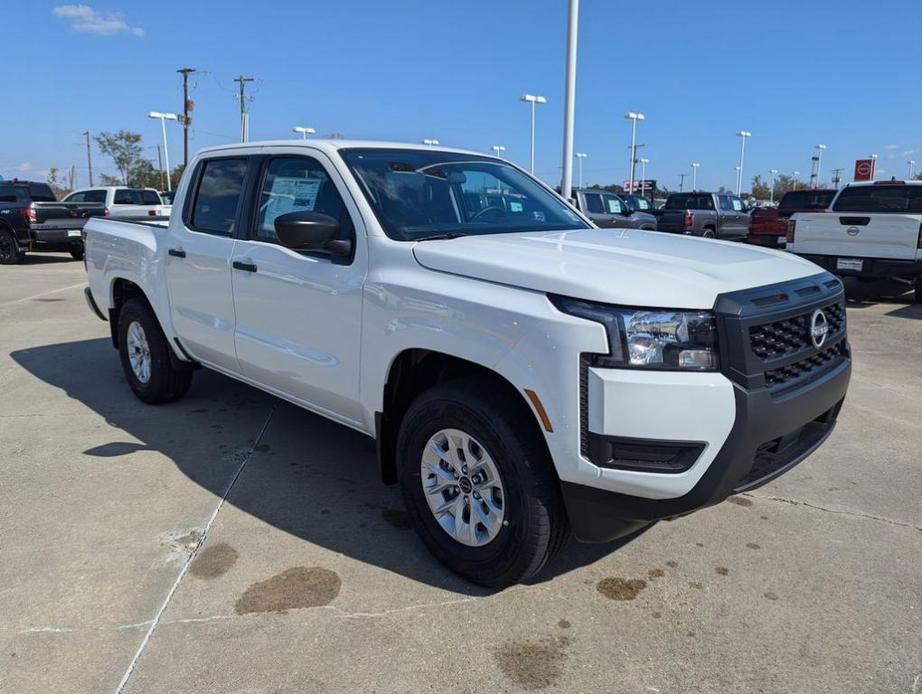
814, 365
788, 336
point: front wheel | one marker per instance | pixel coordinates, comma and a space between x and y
145, 355
917, 289
77, 253
479, 484
9, 248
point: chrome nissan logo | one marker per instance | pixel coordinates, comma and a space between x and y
819, 328
852, 231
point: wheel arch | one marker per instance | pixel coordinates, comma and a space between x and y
411, 373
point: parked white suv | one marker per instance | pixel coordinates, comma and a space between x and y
523, 372
872, 231
123, 202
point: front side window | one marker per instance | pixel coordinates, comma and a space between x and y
737, 204
218, 196
76, 197
881, 199
594, 203
725, 203
420, 193
298, 184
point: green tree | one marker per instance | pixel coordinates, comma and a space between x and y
124, 147
760, 189
57, 182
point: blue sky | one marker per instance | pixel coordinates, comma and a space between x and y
841, 72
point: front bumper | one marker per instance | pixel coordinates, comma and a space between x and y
769, 436
878, 268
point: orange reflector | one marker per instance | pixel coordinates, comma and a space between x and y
539, 408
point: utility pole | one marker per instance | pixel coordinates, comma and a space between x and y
569, 109
836, 177
186, 107
160, 166
89, 157
244, 120
771, 193
682, 181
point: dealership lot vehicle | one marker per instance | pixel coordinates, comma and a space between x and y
122, 202
336, 274
31, 219
768, 226
711, 215
874, 230
608, 210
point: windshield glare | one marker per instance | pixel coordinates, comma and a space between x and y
418, 193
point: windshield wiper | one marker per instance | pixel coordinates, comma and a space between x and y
440, 237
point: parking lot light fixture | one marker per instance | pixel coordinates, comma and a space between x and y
633, 116
163, 118
771, 192
534, 100
579, 158
742, 135
431, 142
695, 166
304, 131
794, 175
497, 149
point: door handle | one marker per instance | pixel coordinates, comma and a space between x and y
246, 267
177, 252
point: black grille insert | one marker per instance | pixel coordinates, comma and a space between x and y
783, 338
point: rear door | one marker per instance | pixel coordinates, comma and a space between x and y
298, 325
199, 250
880, 220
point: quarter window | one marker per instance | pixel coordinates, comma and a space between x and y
298, 184
218, 196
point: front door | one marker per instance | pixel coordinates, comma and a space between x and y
199, 250
298, 327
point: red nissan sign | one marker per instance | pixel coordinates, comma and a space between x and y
864, 169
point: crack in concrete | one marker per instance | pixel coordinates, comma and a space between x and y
843, 512
185, 567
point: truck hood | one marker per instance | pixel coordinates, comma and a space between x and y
618, 266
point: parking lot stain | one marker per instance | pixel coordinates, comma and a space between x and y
296, 588
533, 664
655, 573
672, 564
740, 501
722, 570
398, 518
753, 545
616, 588
564, 624
697, 585
214, 561
771, 596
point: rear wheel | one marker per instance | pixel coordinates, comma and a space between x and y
479, 485
9, 249
708, 233
145, 354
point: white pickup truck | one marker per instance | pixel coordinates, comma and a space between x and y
523, 372
872, 231
123, 202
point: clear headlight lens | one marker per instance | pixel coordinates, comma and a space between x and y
651, 338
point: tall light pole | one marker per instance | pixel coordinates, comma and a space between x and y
643, 176
682, 181
534, 100
633, 117
771, 192
569, 107
430, 141
912, 163
695, 166
815, 170
579, 157
89, 157
164, 117
794, 175
497, 149
742, 135
304, 131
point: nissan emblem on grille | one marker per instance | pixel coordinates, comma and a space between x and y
819, 328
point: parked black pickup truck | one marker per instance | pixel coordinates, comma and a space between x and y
31, 219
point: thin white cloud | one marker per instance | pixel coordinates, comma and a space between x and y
85, 19
907, 152
891, 146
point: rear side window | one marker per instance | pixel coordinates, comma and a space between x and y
95, 196
7, 193
218, 196
594, 203
150, 197
41, 192
681, 202
881, 199
123, 197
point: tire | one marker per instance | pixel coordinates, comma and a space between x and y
708, 233
917, 289
10, 254
77, 253
164, 379
533, 525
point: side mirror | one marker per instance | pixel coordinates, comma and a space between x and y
311, 231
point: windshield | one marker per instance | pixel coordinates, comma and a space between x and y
807, 200
638, 202
418, 193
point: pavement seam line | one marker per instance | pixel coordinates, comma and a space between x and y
14, 302
185, 567
843, 512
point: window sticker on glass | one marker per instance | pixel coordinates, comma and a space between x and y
289, 194
614, 206
516, 206
737, 205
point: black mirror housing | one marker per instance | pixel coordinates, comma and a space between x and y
311, 231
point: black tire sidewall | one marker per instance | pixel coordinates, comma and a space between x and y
447, 408
7, 237
157, 387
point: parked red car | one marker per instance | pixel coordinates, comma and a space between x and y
768, 225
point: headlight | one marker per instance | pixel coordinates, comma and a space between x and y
647, 338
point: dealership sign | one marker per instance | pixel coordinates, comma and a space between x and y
649, 185
864, 169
